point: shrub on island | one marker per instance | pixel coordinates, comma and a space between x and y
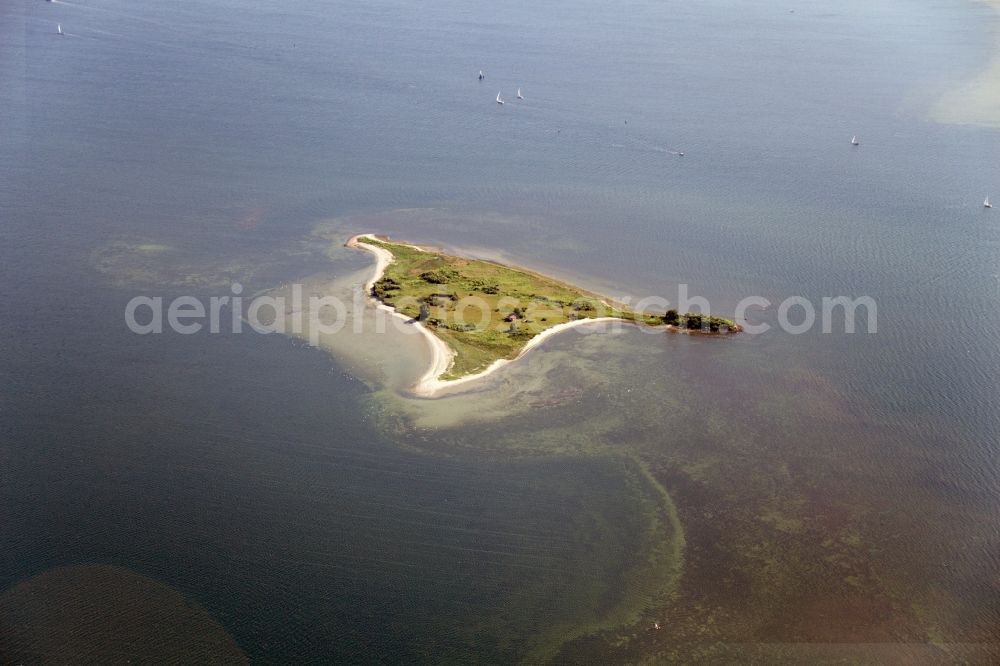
439, 276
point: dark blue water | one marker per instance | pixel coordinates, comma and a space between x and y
252, 473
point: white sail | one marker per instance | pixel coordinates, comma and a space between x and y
987, 204
519, 95
854, 140
499, 98
59, 28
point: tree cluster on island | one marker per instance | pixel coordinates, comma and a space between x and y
695, 321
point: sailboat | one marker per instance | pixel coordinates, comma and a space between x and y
499, 98
854, 140
481, 75
987, 204
519, 95
59, 29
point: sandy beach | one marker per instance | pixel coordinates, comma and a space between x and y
976, 101
441, 354
429, 385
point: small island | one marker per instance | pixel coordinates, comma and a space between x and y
480, 314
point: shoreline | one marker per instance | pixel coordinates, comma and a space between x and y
441, 353
428, 385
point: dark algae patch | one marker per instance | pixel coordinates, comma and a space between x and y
93, 614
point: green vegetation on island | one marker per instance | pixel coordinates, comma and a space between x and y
486, 311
